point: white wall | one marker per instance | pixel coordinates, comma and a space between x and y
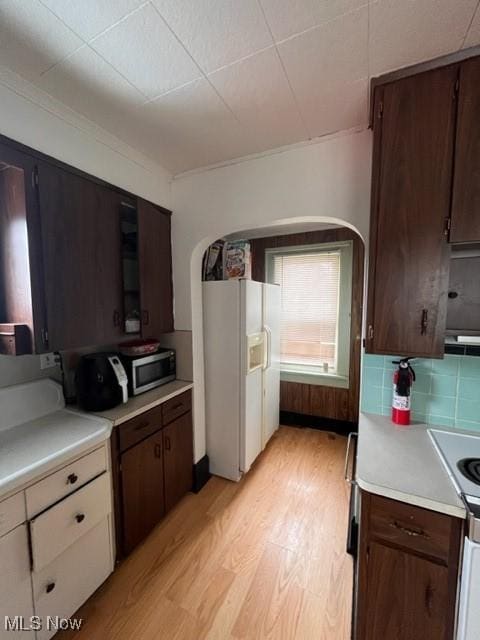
327, 181
33, 118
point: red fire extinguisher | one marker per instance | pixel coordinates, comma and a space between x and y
403, 379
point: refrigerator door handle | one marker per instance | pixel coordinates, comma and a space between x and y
268, 347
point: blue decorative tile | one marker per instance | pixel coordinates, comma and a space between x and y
419, 417
441, 406
434, 394
370, 360
469, 367
420, 402
468, 410
421, 365
441, 421
372, 377
468, 388
471, 426
446, 367
423, 382
444, 386
387, 393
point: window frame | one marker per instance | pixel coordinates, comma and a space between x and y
306, 373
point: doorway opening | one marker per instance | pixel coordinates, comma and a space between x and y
320, 270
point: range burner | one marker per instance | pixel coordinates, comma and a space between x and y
470, 468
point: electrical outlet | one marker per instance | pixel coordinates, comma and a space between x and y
48, 360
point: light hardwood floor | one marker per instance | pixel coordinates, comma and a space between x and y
264, 558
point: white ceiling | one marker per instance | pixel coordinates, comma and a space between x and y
191, 83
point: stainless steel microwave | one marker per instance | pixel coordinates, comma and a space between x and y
147, 372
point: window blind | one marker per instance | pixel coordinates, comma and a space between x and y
310, 284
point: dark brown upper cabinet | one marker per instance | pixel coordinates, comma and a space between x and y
81, 257
465, 222
155, 266
63, 256
22, 309
414, 127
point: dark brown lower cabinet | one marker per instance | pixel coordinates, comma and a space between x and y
178, 456
142, 490
408, 571
152, 464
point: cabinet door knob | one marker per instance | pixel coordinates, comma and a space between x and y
50, 587
168, 445
158, 451
116, 318
72, 478
80, 517
145, 317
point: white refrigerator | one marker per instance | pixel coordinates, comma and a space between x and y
242, 372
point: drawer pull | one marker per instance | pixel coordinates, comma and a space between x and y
414, 533
72, 478
158, 451
80, 517
142, 425
177, 406
50, 587
168, 445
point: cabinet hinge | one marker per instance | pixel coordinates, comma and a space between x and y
448, 225
456, 88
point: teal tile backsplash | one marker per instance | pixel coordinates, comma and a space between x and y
446, 392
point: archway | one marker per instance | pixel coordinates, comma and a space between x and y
293, 223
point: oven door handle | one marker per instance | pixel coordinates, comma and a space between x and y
348, 473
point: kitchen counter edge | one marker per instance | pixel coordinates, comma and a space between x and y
145, 401
402, 464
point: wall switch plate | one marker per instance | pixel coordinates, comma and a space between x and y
48, 360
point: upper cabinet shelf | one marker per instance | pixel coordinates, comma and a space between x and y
425, 195
62, 257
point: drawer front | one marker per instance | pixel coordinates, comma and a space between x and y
62, 587
59, 527
12, 512
177, 406
411, 527
139, 428
15, 581
56, 486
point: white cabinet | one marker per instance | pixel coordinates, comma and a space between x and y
15, 581
66, 480
50, 570
62, 587
67, 521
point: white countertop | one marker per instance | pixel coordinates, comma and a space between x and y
37, 446
401, 463
145, 401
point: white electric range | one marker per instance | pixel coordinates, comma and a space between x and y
460, 454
